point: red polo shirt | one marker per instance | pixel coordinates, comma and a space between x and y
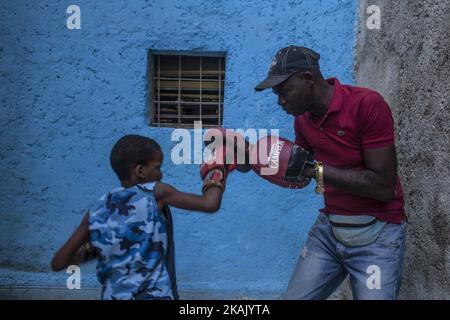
357, 119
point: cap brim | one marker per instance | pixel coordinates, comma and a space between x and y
271, 81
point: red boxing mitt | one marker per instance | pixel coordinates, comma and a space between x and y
281, 162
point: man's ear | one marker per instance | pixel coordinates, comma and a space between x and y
307, 76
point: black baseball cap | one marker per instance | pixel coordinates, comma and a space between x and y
288, 61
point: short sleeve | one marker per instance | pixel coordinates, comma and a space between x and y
299, 137
377, 125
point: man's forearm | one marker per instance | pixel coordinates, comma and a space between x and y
363, 183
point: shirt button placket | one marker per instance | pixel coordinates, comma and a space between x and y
323, 137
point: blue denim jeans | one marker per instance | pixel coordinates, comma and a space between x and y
375, 270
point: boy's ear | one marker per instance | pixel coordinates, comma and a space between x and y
140, 171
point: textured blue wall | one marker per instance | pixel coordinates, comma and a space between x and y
67, 95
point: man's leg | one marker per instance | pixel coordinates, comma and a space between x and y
319, 271
376, 269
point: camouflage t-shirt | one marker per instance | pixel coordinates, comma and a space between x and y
130, 236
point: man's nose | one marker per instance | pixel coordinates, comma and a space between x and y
281, 101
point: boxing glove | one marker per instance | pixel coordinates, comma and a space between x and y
281, 162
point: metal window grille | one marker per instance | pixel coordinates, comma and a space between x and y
187, 88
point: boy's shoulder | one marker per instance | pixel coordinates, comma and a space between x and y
147, 187
123, 199
162, 189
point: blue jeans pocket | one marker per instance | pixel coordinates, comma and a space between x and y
322, 219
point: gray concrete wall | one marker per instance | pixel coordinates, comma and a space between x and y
407, 61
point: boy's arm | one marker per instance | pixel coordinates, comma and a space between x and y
213, 172
66, 255
208, 202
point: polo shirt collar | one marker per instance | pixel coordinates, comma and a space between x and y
336, 101
335, 104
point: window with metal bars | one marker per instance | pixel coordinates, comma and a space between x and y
186, 88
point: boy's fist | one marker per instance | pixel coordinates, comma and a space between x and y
214, 170
214, 178
222, 158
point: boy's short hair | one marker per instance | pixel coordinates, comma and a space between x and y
132, 150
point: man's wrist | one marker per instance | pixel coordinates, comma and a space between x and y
320, 187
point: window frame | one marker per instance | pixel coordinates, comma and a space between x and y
151, 69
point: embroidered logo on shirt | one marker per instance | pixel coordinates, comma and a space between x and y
341, 133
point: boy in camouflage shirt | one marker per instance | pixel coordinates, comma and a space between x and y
130, 229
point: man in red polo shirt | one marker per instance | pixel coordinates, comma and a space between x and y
350, 132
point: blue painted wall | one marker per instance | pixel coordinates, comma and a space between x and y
67, 95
